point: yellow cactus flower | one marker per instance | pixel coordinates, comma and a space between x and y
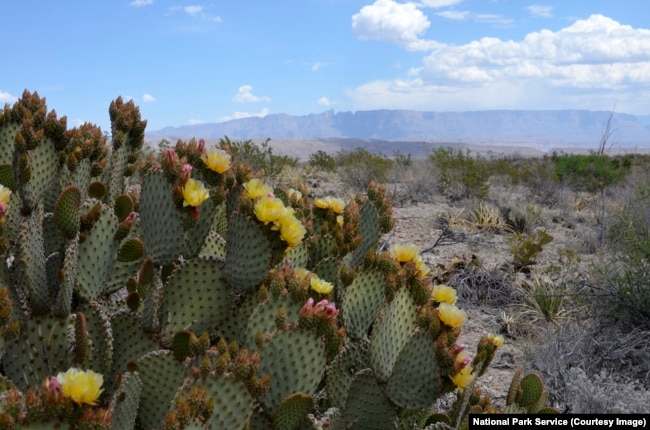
330, 203
404, 253
450, 315
420, 267
217, 160
295, 193
255, 189
320, 286
301, 272
292, 232
5, 193
444, 294
269, 209
496, 340
339, 221
81, 386
336, 205
463, 378
194, 193
321, 203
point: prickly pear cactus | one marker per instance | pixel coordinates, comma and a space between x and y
200, 296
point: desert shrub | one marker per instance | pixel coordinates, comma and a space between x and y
323, 161
360, 167
622, 288
603, 394
259, 157
593, 172
593, 350
459, 174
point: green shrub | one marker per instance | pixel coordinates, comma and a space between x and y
322, 160
260, 157
360, 167
459, 174
592, 172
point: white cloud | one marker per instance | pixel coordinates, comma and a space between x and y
595, 60
541, 11
193, 121
454, 14
317, 65
439, 3
401, 24
148, 98
138, 3
7, 98
239, 115
193, 9
196, 11
325, 101
465, 15
245, 95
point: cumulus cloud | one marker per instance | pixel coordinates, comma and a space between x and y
193, 9
325, 101
401, 24
148, 98
7, 98
596, 56
245, 95
239, 115
138, 3
439, 3
541, 11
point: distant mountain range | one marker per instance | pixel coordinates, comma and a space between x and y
540, 129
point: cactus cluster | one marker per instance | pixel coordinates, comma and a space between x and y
204, 297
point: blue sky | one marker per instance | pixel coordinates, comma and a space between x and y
190, 62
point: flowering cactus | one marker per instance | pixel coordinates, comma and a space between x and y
203, 296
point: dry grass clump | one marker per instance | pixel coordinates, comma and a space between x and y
491, 287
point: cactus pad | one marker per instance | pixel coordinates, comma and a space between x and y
195, 297
161, 376
352, 359
97, 255
295, 360
162, 229
129, 341
66, 211
530, 390
232, 402
367, 406
292, 411
248, 255
369, 229
361, 301
125, 401
41, 350
391, 333
31, 272
415, 381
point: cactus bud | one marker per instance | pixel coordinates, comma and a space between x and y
72, 162
281, 317
205, 366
